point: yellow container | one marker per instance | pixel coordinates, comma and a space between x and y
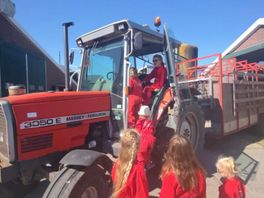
16, 90
187, 51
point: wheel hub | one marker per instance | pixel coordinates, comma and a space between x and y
185, 129
189, 129
89, 192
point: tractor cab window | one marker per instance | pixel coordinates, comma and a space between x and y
144, 64
104, 68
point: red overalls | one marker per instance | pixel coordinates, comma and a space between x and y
233, 187
171, 188
134, 100
147, 140
160, 75
136, 185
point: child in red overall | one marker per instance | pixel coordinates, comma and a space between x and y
146, 130
182, 175
129, 177
134, 97
233, 186
159, 73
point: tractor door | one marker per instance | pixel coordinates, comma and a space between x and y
102, 70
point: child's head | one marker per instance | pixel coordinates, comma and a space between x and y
226, 167
130, 141
144, 111
129, 144
181, 160
179, 150
132, 71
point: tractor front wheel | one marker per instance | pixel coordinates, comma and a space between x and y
86, 182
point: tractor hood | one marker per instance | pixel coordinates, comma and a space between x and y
54, 96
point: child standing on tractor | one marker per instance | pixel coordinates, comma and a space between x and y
134, 97
159, 74
129, 177
146, 130
181, 174
233, 186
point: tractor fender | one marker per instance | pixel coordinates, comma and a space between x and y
86, 158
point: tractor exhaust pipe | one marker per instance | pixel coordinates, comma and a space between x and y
66, 55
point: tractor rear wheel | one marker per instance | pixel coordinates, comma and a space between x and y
88, 182
259, 128
190, 125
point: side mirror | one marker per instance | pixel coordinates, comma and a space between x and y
71, 57
138, 41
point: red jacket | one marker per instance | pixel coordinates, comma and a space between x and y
232, 188
160, 75
171, 188
136, 185
135, 86
147, 140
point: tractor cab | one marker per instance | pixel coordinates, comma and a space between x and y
109, 52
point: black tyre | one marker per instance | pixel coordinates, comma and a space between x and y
259, 128
191, 125
89, 182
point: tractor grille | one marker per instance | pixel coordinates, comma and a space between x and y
3, 132
34, 143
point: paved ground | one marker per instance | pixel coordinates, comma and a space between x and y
247, 148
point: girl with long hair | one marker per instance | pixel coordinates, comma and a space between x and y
182, 175
129, 178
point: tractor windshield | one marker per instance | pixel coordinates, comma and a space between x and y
103, 68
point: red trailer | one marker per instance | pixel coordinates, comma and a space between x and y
234, 88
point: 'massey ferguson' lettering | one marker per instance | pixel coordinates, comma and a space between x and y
62, 120
73, 118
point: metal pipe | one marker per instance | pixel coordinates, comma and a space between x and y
27, 73
125, 82
66, 55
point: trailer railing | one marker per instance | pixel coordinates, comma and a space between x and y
241, 82
221, 68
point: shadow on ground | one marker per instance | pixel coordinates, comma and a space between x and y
12, 190
232, 145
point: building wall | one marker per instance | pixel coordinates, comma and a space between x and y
19, 67
255, 39
22, 61
55, 77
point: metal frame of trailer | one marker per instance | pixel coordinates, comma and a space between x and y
238, 87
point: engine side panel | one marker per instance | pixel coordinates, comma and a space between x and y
49, 126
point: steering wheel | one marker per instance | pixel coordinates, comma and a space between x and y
108, 77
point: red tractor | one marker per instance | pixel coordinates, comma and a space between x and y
77, 129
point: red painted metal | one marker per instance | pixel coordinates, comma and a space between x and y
163, 105
223, 71
60, 136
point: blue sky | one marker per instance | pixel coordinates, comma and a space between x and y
209, 24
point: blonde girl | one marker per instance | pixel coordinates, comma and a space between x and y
182, 174
232, 186
128, 175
